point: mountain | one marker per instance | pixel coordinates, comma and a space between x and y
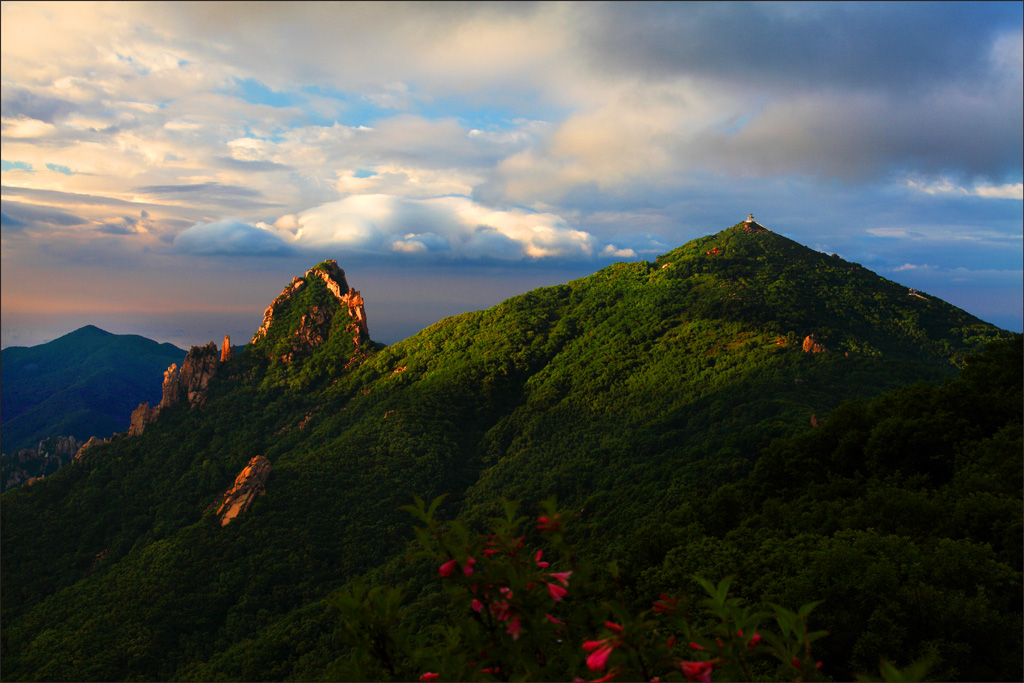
83, 384
646, 396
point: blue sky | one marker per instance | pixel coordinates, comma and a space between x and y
168, 167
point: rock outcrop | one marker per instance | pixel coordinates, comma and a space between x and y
24, 465
171, 389
91, 443
198, 368
811, 345
250, 483
296, 286
227, 352
188, 383
141, 416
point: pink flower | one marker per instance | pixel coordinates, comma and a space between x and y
514, 629
477, 605
499, 608
554, 620
612, 626
490, 670
542, 565
447, 568
697, 671
557, 592
695, 646
667, 604
549, 524
468, 569
600, 651
563, 577
754, 640
430, 676
491, 551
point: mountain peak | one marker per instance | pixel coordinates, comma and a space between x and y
302, 317
89, 331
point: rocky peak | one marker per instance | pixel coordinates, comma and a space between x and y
250, 483
227, 351
315, 325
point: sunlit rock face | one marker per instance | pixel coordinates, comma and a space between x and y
91, 443
227, 351
250, 483
141, 416
171, 389
811, 345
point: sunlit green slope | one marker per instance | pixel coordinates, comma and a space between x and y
627, 393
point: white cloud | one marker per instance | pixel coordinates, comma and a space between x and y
614, 252
945, 186
456, 226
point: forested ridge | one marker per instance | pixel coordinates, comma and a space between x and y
668, 402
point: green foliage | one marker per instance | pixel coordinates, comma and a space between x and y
656, 403
512, 616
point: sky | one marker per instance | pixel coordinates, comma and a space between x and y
167, 168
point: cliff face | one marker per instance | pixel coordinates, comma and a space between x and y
141, 416
198, 368
187, 383
250, 483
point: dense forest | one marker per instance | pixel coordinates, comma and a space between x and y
669, 404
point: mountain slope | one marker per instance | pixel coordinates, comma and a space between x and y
83, 384
628, 394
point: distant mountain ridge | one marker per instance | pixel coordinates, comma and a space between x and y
82, 384
634, 394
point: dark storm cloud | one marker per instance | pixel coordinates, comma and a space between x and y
29, 214
234, 197
890, 46
20, 102
253, 166
211, 189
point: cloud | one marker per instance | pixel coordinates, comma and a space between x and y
31, 214
18, 102
612, 251
945, 186
454, 226
229, 237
